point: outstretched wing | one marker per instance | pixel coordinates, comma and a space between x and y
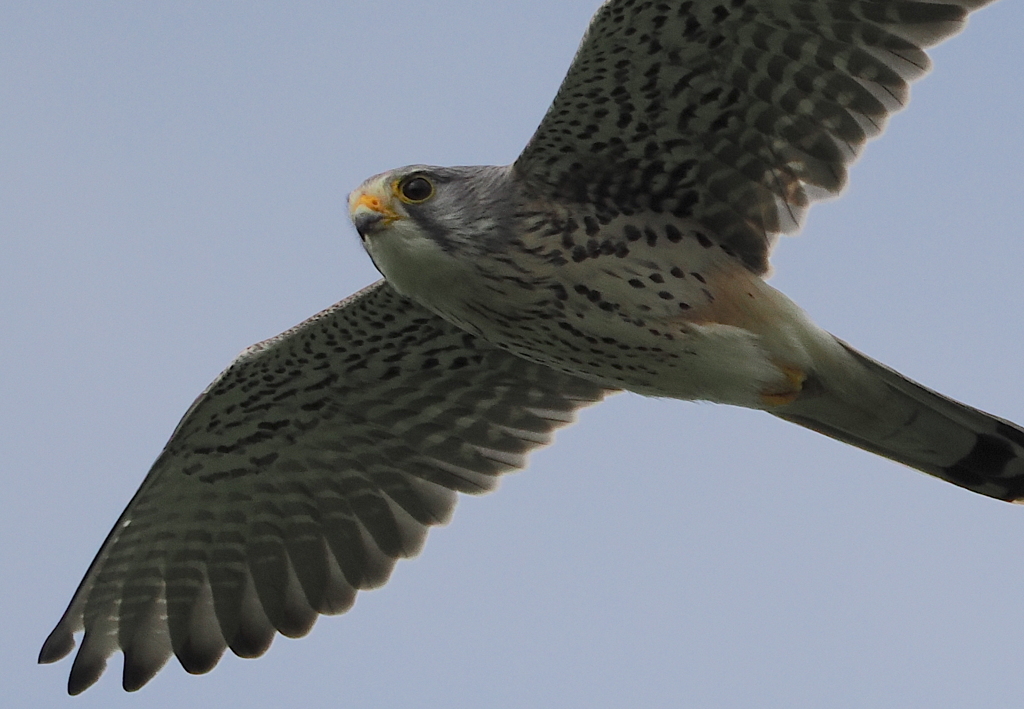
314, 462
736, 113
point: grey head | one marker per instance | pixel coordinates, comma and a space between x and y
462, 209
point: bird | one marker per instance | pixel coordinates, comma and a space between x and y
626, 248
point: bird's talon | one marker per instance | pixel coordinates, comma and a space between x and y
795, 378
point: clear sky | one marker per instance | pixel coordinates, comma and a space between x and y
172, 188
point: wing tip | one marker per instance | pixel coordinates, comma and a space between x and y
137, 673
85, 671
59, 643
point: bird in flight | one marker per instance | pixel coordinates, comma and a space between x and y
625, 249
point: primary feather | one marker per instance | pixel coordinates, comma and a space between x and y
624, 249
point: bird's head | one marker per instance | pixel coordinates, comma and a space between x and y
422, 225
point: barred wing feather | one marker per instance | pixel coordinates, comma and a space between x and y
313, 463
736, 113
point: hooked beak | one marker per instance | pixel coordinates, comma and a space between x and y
370, 213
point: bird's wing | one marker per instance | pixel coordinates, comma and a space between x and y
736, 113
314, 462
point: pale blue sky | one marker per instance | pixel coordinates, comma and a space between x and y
172, 189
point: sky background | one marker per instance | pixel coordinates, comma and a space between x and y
172, 189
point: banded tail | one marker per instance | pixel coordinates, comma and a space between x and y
884, 412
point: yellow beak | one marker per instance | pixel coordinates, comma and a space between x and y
370, 212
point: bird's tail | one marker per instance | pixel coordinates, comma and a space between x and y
880, 410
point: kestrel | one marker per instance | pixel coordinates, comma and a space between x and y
626, 248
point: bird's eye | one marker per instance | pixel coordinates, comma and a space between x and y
415, 190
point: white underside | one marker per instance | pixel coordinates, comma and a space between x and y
733, 363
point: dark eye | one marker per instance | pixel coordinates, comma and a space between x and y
416, 189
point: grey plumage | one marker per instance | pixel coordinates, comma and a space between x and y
313, 463
735, 113
622, 250
884, 412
